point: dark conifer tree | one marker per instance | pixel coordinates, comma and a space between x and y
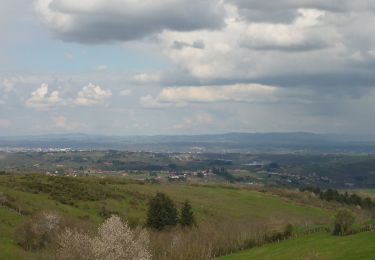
187, 215
161, 212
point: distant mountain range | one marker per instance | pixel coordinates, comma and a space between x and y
229, 142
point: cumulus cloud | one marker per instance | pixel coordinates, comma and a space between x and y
92, 95
43, 99
180, 96
97, 21
8, 84
304, 34
248, 50
146, 78
320, 54
125, 92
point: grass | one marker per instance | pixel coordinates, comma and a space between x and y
91, 200
318, 246
129, 199
216, 201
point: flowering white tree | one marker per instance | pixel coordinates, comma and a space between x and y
115, 240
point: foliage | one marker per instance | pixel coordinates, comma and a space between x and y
238, 208
288, 231
224, 173
344, 219
39, 231
114, 240
187, 215
214, 238
162, 212
344, 198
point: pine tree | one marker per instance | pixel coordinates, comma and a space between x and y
187, 215
161, 212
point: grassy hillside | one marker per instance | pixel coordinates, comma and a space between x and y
318, 246
91, 200
87, 197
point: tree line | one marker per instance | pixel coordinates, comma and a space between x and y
344, 198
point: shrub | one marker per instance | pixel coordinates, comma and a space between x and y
344, 219
162, 212
39, 231
288, 231
114, 240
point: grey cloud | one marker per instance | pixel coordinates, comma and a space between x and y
123, 20
315, 44
332, 5
180, 45
272, 16
284, 11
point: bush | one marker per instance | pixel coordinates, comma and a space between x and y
344, 219
162, 212
288, 231
114, 240
39, 231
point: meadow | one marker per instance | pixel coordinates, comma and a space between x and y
318, 246
89, 201
229, 218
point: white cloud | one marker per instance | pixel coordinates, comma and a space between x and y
125, 92
180, 96
146, 78
247, 50
42, 99
92, 95
8, 84
303, 34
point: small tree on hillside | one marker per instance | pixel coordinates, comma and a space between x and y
161, 212
114, 240
187, 215
344, 219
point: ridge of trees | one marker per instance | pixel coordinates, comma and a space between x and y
344, 198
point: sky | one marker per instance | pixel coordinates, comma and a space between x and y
145, 67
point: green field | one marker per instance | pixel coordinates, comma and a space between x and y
79, 197
91, 200
318, 246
